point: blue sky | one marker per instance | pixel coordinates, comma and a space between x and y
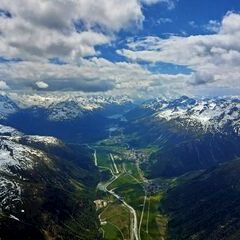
161, 21
185, 11
137, 47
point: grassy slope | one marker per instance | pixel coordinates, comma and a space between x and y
206, 207
180, 150
58, 201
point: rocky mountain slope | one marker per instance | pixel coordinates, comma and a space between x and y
207, 115
46, 188
7, 107
58, 106
191, 134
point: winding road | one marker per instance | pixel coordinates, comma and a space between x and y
104, 187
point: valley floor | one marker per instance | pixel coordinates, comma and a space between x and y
126, 208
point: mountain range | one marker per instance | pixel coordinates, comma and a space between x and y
190, 134
46, 162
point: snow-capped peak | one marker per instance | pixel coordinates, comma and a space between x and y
206, 114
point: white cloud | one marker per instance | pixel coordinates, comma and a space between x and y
214, 58
3, 85
213, 26
164, 20
94, 75
170, 3
193, 24
42, 85
39, 30
71, 30
60, 14
36, 31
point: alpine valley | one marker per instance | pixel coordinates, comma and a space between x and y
99, 167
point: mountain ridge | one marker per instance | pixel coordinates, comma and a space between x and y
45, 186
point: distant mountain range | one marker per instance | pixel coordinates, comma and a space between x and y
57, 106
68, 116
198, 115
209, 114
190, 134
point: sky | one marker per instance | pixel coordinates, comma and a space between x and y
140, 48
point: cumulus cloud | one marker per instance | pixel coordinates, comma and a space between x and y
214, 58
39, 30
92, 75
199, 78
91, 72
42, 85
3, 85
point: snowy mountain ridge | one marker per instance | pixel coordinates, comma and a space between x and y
59, 106
45, 100
216, 114
15, 158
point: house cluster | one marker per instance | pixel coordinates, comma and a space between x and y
100, 204
136, 155
153, 186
